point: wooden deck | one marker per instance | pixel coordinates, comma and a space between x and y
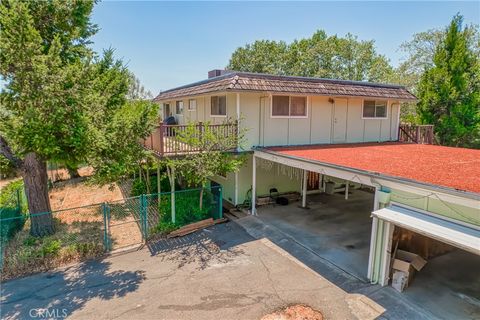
164, 139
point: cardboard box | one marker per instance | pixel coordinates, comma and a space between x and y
407, 263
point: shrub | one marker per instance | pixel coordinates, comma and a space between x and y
11, 207
8, 195
163, 227
50, 247
75, 242
187, 210
139, 187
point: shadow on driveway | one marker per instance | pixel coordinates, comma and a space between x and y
59, 293
217, 244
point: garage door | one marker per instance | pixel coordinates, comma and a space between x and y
457, 235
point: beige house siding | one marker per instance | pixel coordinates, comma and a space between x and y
330, 120
228, 186
266, 179
432, 204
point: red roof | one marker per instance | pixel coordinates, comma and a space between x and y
457, 168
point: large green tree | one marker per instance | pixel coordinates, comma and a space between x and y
60, 101
449, 91
318, 56
418, 57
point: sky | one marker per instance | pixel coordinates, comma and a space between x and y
168, 44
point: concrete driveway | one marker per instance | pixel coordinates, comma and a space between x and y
219, 273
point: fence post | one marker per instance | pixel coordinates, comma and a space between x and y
106, 238
161, 129
143, 215
220, 203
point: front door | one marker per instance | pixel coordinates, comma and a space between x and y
340, 121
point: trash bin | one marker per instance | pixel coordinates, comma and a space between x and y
329, 187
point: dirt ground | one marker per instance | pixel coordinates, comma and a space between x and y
296, 312
4, 182
77, 193
62, 174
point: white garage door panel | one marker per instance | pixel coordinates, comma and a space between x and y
449, 232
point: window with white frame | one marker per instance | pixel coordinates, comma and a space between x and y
192, 104
179, 107
374, 109
289, 106
218, 106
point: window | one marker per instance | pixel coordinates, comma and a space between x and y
374, 109
179, 107
166, 110
286, 106
192, 104
218, 106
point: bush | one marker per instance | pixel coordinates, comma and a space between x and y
12, 209
139, 187
8, 195
187, 210
75, 242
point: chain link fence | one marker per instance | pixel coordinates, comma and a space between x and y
91, 231
168, 211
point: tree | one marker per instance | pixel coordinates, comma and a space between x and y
449, 91
214, 157
419, 53
61, 102
263, 56
137, 91
319, 56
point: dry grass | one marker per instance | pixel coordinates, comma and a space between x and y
77, 193
79, 231
72, 242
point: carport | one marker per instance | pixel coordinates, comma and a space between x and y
430, 190
336, 229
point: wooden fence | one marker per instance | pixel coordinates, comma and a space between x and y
416, 133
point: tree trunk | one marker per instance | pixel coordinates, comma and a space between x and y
201, 198
72, 172
34, 171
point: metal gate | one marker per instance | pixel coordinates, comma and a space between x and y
125, 223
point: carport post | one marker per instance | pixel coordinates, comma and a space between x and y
254, 183
371, 254
373, 240
304, 189
386, 253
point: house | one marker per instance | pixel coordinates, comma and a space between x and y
315, 136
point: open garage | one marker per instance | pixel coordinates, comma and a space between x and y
338, 230
379, 216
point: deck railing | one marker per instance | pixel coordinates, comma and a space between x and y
164, 139
422, 134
